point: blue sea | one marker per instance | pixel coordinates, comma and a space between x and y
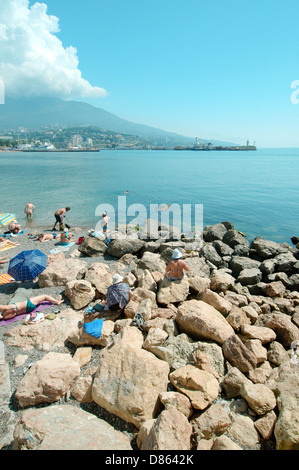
257, 191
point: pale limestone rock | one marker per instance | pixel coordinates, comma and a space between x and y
65, 427
152, 262
212, 422
264, 334
215, 300
80, 293
176, 400
286, 331
265, 424
255, 346
222, 282
233, 382
82, 389
286, 391
47, 335
171, 431
242, 431
60, 273
198, 285
259, 397
79, 337
238, 354
129, 379
225, 443
199, 386
144, 431
82, 356
146, 280
100, 277
155, 337
172, 291
203, 321
237, 318
275, 289
47, 380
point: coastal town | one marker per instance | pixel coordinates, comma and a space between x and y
96, 139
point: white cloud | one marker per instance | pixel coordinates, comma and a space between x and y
33, 61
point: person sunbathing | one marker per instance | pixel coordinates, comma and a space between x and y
26, 306
44, 237
4, 242
4, 260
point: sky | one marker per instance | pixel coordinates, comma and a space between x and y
216, 69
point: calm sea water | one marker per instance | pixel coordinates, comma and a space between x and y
257, 191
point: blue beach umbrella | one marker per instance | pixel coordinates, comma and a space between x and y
6, 218
27, 265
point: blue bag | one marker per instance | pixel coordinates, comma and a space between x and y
94, 328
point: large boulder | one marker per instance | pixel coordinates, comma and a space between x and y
80, 293
100, 277
286, 390
201, 387
170, 431
65, 427
233, 238
239, 263
129, 379
79, 337
152, 262
209, 253
92, 246
214, 232
47, 380
202, 321
286, 331
238, 354
59, 274
266, 248
47, 335
172, 291
122, 246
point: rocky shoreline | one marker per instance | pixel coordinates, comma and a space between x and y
213, 369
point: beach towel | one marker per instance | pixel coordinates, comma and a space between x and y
41, 307
9, 246
6, 279
62, 248
94, 328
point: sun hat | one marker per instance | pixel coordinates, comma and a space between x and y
104, 213
117, 278
176, 254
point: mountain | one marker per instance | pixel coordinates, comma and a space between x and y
37, 113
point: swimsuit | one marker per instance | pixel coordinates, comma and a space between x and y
54, 236
30, 306
172, 279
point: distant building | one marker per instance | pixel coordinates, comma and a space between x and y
76, 141
89, 143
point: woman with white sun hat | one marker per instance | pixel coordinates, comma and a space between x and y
176, 267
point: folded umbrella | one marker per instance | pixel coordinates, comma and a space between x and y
6, 218
27, 265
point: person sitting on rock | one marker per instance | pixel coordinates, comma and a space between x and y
176, 267
118, 294
26, 306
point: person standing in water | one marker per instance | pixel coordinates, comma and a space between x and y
104, 221
29, 209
